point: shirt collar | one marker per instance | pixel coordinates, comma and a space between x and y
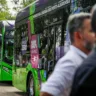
78, 51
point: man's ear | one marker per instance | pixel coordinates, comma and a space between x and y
78, 35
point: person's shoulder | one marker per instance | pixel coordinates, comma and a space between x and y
68, 59
69, 55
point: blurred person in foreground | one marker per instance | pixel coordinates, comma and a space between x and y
84, 83
82, 39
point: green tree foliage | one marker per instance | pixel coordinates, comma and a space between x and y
4, 10
27, 2
21, 4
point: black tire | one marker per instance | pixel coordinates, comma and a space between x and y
30, 88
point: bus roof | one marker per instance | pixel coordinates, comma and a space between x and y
40, 7
8, 24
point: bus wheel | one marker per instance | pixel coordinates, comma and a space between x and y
31, 86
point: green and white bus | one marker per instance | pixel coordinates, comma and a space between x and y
39, 42
6, 49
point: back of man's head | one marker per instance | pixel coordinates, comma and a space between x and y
75, 22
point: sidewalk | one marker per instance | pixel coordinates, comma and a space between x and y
8, 90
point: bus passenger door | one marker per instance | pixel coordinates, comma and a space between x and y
55, 46
7, 55
16, 63
22, 56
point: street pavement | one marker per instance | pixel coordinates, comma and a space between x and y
6, 89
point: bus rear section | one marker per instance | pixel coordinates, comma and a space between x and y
6, 49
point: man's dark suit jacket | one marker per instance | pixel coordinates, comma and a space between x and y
84, 83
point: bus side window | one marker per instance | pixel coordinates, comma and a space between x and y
43, 44
17, 45
43, 41
8, 46
23, 48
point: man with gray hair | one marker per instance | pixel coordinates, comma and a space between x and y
82, 39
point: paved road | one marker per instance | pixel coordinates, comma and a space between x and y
6, 89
